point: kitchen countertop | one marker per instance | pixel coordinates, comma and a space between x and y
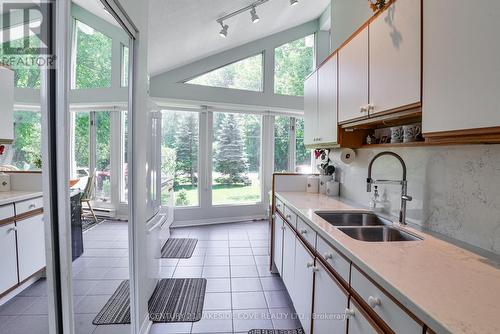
450, 289
8, 197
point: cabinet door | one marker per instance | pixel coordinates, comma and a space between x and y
30, 246
327, 101
353, 78
461, 65
7, 103
358, 321
8, 259
288, 258
395, 57
311, 109
278, 243
330, 301
302, 298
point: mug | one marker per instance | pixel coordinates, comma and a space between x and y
411, 133
397, 134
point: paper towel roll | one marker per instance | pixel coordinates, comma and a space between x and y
346, 155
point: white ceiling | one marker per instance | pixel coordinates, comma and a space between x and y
183, 31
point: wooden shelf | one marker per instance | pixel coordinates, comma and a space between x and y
389, 145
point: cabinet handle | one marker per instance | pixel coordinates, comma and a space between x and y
273, 216
283, 228
363, 109
319, 138
349, 313
12, 229
288, 217
32, 206
315, 269
371, 107
374, 301
310, 264
303, 231
328, 256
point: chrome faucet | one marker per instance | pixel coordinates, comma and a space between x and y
404, 183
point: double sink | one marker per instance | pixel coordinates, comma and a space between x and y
366, 226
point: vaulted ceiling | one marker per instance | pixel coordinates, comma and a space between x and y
183, 31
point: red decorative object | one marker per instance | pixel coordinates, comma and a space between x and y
2, 149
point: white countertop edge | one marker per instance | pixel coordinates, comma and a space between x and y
9, 197
420, 313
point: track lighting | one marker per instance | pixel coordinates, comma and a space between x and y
253, 14
223, 32
293, 2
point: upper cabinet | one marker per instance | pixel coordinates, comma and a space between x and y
353, 78
461, 71
6, 105
311, 109
395, 57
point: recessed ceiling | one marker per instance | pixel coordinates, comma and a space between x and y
183, 31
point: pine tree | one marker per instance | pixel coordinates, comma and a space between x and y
229, 157
186, 146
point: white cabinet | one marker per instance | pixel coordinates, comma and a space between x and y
288, 258
30, 246
6, 104
358, 321
327, 102
461, 65
303, 290
278, 243
353, 78
311, 109
8, 258
330, 300
395, 57
333, 258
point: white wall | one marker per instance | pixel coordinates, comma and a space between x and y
455, 189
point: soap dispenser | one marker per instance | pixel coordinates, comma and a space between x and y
375, 199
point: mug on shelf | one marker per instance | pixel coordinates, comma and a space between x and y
412, 132
397, 134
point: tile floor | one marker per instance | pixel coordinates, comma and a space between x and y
241, 292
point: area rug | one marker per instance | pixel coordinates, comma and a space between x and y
178, 248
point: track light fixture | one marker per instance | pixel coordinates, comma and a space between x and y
253, 14
223, 32
293, 2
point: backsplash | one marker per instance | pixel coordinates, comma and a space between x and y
453, 187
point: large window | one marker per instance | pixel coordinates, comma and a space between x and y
246, 74
282, 143
82, 148
124, 66
236, 159
179, 149
290, 153
293, 62
103, 156
25, 152
24, 76
92, 67
124, 157
302, 154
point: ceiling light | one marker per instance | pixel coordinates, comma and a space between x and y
255, 17
223, 32
293, 2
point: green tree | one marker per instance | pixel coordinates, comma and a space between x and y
24, 76
251, 131
229, 156
281, 143
82, 137
302, 154
27, 143
186, 147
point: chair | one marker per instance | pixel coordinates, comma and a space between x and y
87, 195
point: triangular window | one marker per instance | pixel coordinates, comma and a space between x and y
245, 74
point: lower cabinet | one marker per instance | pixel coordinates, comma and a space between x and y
304, 273
8, 259
330, 302
30, 246
278, 243
288, 259
358, 322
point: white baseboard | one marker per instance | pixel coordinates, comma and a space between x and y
212, 221
146, 325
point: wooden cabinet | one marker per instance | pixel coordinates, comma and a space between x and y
359, 322
30, 246
461, 68
6, 105
353, 78
288, 258
395, 57
330, 301
8, 259
278, 243
327, 102
311, 109
303, 290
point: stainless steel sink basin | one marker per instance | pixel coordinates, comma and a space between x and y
378, 234
352, 218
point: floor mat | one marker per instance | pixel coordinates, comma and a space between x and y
177, 300
89, 222
117, 309
178, 248
276, 331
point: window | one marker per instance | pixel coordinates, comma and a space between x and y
124, 67
281, 143
24, 76
179, 150
293, 62
124, 158
302, 154
92, 66
236, 159
25, 150
245, 74
103, 156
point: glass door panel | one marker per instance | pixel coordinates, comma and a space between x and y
81, 149
236, 159
302, 155
281, 143
103, 157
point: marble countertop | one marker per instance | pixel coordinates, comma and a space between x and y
7, 197
450, 289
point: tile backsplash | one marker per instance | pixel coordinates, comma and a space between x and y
455, 189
